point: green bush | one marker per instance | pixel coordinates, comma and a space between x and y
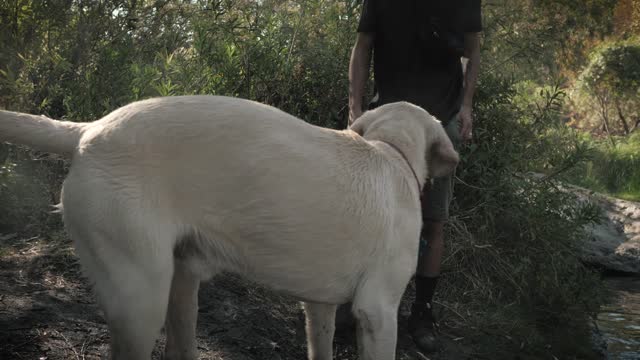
607, 91
514, 259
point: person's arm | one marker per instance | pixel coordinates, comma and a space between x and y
359, 73
472, 53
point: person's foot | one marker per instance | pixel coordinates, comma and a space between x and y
424, 328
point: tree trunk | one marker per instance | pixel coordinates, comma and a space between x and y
605, 123
622, 119
604, 113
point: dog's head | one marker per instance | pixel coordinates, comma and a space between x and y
418, 134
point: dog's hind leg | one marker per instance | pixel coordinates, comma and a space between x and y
131, 273
320, 330
182, 315
134, 294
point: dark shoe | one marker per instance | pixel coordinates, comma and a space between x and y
424, 328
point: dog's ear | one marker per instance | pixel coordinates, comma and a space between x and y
443, 158
358, 126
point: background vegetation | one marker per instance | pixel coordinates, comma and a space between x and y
558, 94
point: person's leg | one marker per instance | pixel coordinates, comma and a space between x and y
429, 261
422, 324
435, 212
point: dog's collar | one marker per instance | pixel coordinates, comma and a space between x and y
415, 176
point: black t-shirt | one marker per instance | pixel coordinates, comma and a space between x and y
416, 52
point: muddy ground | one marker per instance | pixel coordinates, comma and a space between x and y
47, 311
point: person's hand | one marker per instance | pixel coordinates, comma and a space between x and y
354, 113
466, 123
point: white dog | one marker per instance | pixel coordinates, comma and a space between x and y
164, 193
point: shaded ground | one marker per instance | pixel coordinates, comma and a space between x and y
48, 312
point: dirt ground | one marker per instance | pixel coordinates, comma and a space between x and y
47, 311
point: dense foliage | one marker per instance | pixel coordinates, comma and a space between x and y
611, 83
82, 59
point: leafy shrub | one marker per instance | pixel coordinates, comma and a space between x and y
514, 257
608, 88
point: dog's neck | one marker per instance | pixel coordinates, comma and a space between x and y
411, 147
415, 176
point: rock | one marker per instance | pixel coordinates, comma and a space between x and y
614, 243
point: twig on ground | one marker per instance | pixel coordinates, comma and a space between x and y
68, 343
87, 341
451, 309
32, 339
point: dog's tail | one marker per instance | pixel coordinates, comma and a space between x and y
40, 132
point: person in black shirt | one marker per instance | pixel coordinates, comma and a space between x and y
420, 48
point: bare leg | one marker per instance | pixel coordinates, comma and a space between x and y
430, 260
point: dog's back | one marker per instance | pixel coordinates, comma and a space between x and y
256, 190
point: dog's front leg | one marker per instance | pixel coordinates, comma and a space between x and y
320, 330
377, 333
182, 315
375, 307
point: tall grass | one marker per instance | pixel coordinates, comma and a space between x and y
614, 170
